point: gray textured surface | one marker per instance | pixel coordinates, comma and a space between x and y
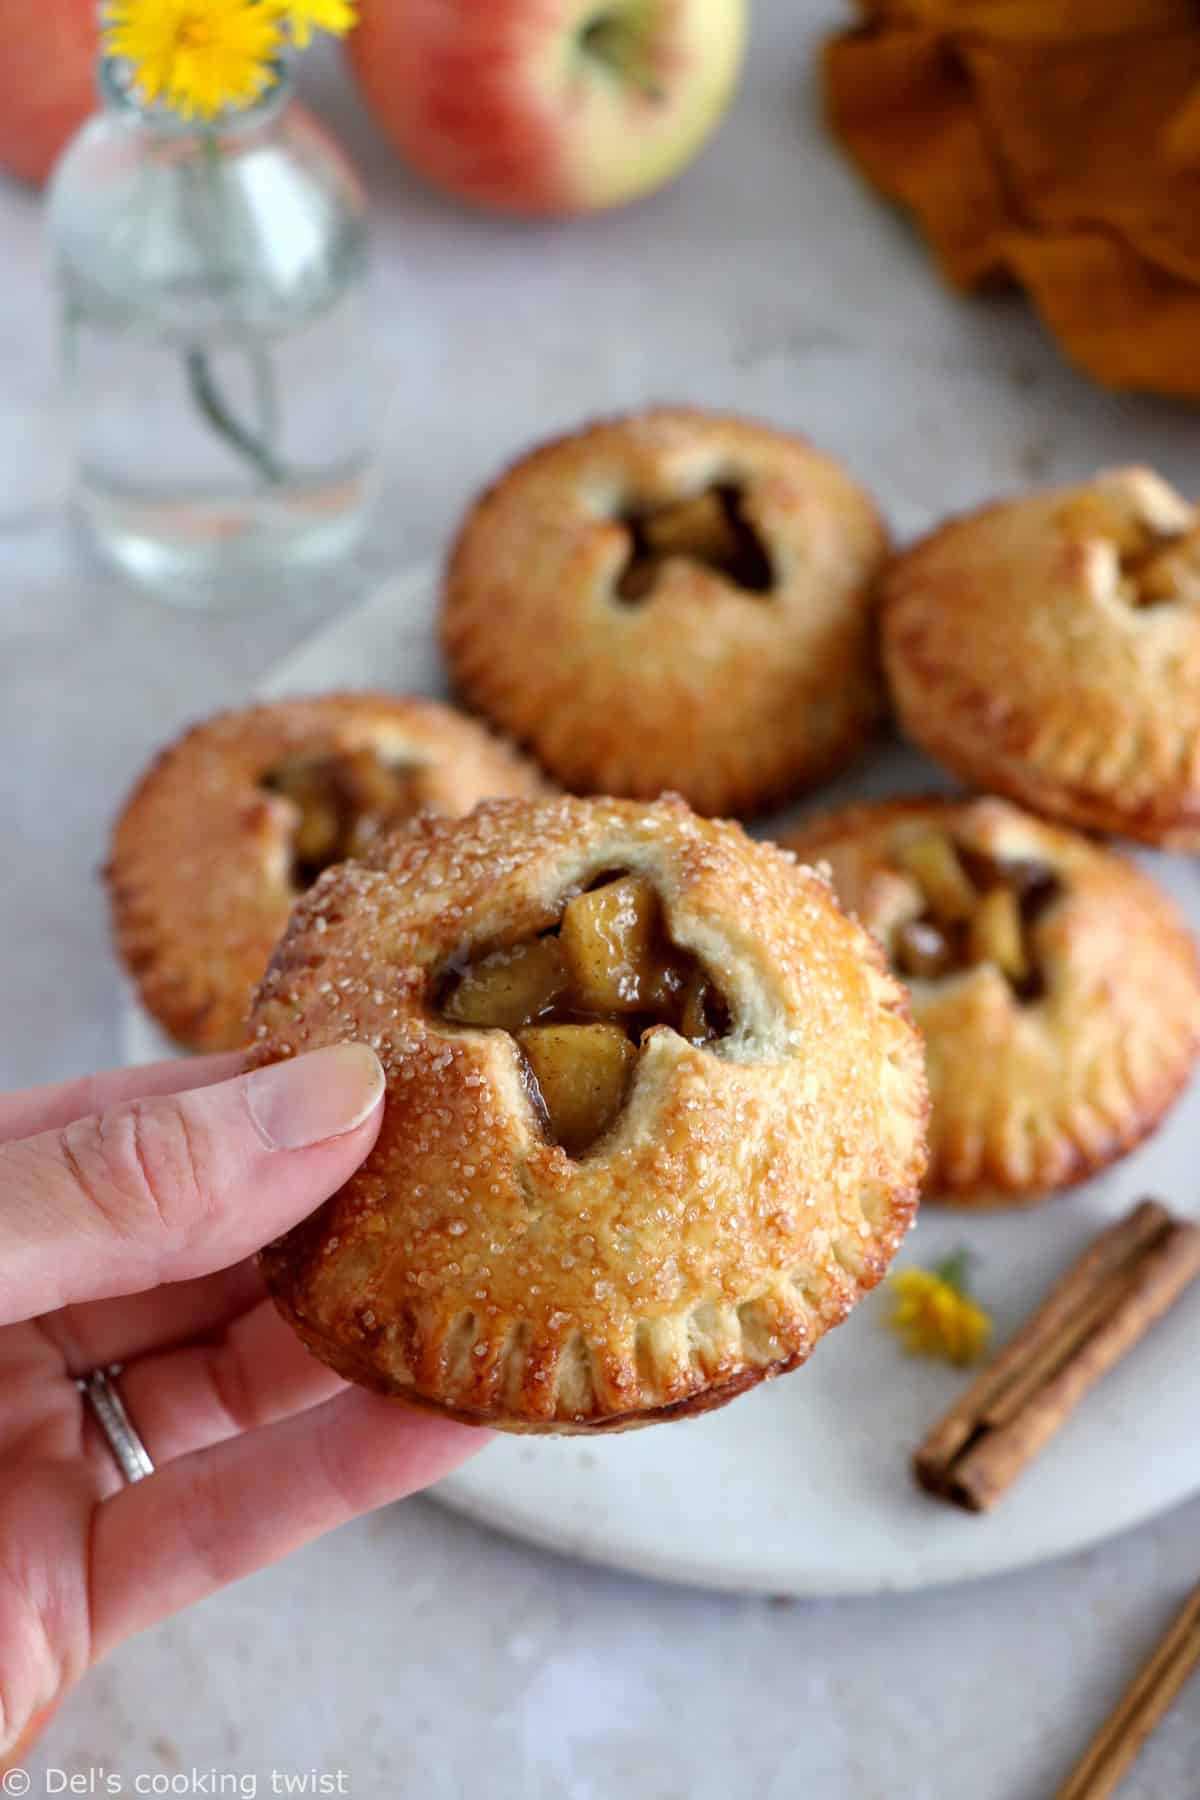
418, 1654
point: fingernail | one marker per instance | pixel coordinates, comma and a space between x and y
318, 1096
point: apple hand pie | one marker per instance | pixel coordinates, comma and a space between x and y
655, 1114
244, 812
1057, 988
672, 600
1048, 648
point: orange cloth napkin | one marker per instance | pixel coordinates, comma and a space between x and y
1051, 142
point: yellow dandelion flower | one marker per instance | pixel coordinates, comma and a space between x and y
198, 56
935, 1316
306, 16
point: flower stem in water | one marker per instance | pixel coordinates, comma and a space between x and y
208, 398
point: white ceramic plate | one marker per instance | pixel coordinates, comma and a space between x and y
802, 1487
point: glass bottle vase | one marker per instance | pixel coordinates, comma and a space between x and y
214, 342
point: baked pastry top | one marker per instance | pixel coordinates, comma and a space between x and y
1056, 986
675, 599
1048, 648
654, 1120
243, 812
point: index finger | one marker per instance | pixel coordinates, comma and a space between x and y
163, 1189
32, 1110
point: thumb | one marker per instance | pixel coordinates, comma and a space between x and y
175, 1186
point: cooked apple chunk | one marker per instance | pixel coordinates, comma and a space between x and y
949, 936
704, 1016
1101, 515
342, 803
376, 794
580, 999
582, 1073
609, 939
1148, 555
700, 528
922, 950
996, 935
933, 863
311, 791
510, 988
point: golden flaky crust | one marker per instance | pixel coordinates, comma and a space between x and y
729, 697
199, 870
742, 1202
1018, 656
1030, 1096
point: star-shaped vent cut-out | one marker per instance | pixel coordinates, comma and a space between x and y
710, 528
976, 910
579, 998
341, 803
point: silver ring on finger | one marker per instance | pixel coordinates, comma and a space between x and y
108, 1409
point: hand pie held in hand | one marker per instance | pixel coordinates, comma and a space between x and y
654, 1121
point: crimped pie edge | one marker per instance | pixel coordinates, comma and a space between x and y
592, 1374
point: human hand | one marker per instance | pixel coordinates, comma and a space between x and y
128, 1214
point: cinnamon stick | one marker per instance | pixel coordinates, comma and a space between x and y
1126, 1279
1115, 1746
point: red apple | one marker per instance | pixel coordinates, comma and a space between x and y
47, 80
548, 106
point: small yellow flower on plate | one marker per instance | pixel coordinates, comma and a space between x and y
935, 1316
197, 56
306, 16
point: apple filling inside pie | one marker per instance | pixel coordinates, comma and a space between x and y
976, 909
709, 528
1150, 560
342, 802
578, 999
